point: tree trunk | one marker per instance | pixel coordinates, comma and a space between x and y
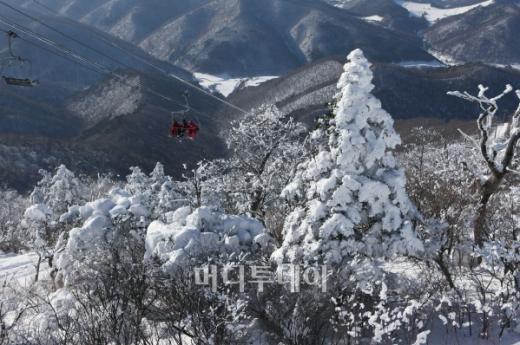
37, 274
487, 190
256, 203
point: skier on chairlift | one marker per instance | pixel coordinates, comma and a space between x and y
192, 129
175, 129
186, 128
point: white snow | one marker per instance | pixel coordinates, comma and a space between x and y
202, 232
421, 64
513, 66
37, 213
422, 338
444, 58
227, 86
20, 268
501, 131
374, 18
95, 230
433, 14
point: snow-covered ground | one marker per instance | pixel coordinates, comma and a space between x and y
514, 66
20, 268
444, 58
433, 14
226, 86
465, 333
374, 18
419, 64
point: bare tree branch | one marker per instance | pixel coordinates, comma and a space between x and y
490, 151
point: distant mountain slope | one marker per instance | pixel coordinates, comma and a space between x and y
449, 3
244, 38
128, 131
489, 34
131, 20
406, 92
94, 121
433, 13
41, 110
392, 14
241, 37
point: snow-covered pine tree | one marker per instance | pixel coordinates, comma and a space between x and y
349, 198
158, 177
169, 198
137, 182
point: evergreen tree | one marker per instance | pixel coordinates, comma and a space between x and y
349, 198
137, 182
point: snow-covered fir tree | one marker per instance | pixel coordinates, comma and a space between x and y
158, 177
168, 199
137, 181
350, 197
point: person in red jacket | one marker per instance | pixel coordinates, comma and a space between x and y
192, 129
175, 129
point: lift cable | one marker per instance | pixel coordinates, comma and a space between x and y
185, 82
94, 66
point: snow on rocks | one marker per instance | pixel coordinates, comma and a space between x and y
202, 232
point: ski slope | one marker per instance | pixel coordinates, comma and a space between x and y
434, 14
374, 18
20, 268
227, 86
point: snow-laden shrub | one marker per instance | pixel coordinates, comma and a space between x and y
59, 191
78, 248
106, 268
200, 233
158, 191
106, 300
12, 208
